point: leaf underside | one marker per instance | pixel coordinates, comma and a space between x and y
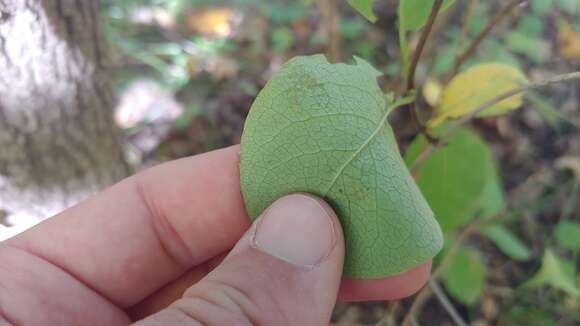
321, 128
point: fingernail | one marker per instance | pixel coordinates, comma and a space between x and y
295, 228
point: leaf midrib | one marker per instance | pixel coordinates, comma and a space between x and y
380, 126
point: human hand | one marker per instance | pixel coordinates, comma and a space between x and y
156, 245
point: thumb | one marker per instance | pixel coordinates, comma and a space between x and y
286, 270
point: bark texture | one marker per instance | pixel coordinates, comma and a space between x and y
58, 142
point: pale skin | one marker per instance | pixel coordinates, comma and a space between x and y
154, 245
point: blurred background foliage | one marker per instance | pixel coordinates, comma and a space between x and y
505, 189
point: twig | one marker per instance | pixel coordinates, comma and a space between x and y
329, 10
445, 303
466, 20
570, 201
422, 40
390, 317
463, 120
459, 60
440, 22
420, 300
410, 84
426, 292
467, 231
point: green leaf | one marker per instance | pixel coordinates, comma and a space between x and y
413, 14
542, 6
493, 197
531, 25
366, 50
480, 18
444, 60
543, 106
528, 46
507, 242
464, 277
285, 13
282, 39
557, 272
496, 51
453, 179
351, 28
568, 234
322, 128
569, 6
535, 315
365, 8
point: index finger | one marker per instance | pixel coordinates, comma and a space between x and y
147, 230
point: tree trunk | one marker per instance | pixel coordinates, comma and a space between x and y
58, 142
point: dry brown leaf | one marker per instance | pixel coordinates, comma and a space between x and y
569, 42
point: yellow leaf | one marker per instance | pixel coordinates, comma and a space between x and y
477, 85
212, 21
569, 42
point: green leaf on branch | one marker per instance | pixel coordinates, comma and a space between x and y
455, 177
322, 128
493, 197
413, 14
464, 277
557, 272
542, 6
507, 242
571, 7
568, 234
282, 39
545, 108
365, 8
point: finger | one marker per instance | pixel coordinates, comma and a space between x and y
285, 271
146, 231
173, 290
388, 288
33, 292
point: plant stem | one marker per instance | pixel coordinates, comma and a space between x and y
467, 231
466, 20
330, 16
440, 294
426, 292
420, 300
404, 45
410, 75
390, 316
463, 120
570, 201
460, 59
421, 45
